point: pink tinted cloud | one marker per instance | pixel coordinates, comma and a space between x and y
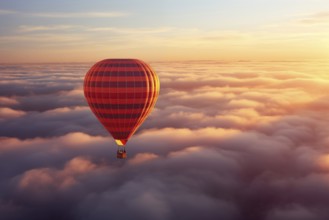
226, 141
44, 179
6, 101
6, 113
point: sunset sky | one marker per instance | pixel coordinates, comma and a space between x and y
240, 130
81, 30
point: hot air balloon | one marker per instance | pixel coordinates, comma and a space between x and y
121, 93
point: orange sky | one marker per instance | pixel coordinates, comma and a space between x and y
185, 30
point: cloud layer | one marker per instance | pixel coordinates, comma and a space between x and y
240, 141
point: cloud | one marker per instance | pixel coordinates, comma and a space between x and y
239, 141
38, 180
49, 123
86, 29
7, 12
10, 113
316, 18
142, 158
132, 30
90, 14
44, 38
4, 101
293, 212
29, 28
80, 14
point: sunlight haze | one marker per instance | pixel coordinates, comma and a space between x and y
77, 31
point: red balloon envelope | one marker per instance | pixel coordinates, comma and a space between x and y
121, 93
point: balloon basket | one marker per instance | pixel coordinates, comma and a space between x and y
121, 154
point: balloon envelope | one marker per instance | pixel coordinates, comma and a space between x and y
121, 93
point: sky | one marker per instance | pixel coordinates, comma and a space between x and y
226, 140
85, 31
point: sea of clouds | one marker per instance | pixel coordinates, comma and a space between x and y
233, 141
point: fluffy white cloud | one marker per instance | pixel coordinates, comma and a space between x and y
233, 141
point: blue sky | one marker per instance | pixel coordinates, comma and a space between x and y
157, 30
